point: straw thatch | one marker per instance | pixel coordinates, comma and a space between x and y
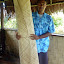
9, 6
50, 9
54, 6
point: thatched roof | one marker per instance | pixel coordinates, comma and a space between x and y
52, 5
9, 6
54, 8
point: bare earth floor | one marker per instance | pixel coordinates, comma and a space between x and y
6, 59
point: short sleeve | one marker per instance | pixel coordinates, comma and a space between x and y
51, 28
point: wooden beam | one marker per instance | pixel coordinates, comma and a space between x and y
9, 6
50, 4
57, 3
36, 5
3, 1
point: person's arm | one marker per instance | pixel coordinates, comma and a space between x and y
18, 36
35, 37
45, 35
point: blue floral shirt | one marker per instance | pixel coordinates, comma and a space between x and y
42, 25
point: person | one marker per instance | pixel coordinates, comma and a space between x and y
43, 27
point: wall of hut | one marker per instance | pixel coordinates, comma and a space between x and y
12, 43
55, 52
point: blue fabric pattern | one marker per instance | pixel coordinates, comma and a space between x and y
42, 25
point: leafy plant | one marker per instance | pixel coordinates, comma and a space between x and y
57, 21
11, 23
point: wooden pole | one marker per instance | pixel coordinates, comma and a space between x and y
2, 31
50, 2
2, 16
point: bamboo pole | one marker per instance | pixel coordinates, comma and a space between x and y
50, 2
56, 3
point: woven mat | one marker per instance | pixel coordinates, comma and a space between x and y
27, 47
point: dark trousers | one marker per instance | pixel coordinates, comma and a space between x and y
43, 58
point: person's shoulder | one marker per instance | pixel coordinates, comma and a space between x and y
47, 15
48, 18
34, 14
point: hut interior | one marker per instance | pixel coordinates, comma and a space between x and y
9, 44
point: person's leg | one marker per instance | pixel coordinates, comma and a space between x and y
43, 58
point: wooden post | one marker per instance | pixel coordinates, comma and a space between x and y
2, 16
2, 31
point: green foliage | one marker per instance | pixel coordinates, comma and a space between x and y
11, 23
59, 24
57, 21
0, 25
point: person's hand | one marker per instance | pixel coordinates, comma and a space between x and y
34, 37
18, 36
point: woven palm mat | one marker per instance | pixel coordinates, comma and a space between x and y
27, 47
